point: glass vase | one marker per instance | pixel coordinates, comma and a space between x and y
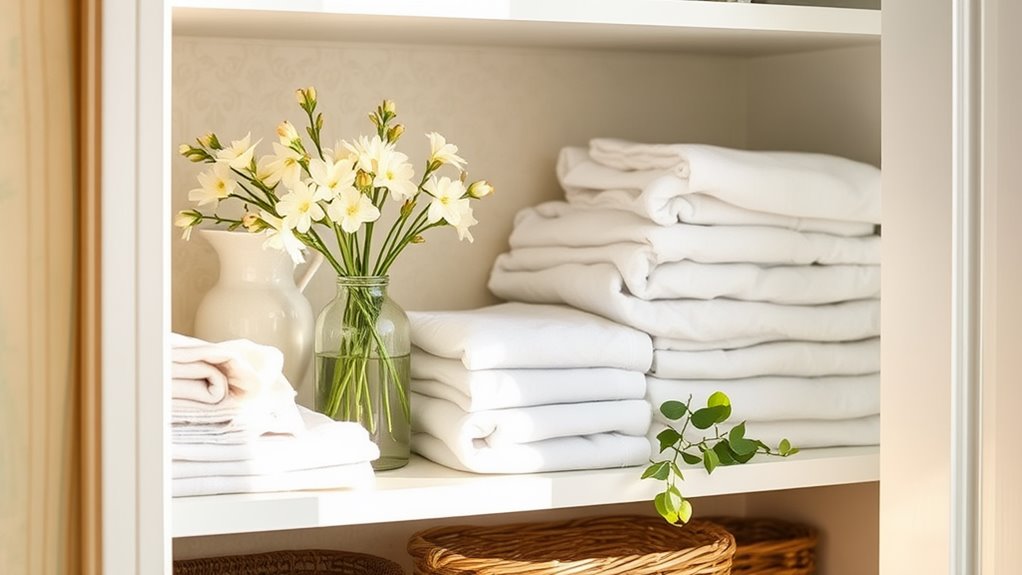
363, 348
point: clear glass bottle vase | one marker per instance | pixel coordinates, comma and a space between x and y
362, 365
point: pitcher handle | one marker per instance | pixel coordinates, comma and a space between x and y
314, 263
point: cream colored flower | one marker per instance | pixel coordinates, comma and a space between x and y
187, 220
284, 167
442, 152
395, 174
217, 184
286, 133
239, 154
300, 206
447, 204
351, 209
279, 236
332, 175
369, 153
465, 221
480, 189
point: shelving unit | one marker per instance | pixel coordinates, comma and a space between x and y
425, 490
745, 75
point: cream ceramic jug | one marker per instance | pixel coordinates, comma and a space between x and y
257, 298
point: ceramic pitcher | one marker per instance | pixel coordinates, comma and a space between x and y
257, 298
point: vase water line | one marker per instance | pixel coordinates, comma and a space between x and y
256, 297
363, 349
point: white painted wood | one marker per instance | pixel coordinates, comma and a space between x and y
425, 490
135, 301
636, 24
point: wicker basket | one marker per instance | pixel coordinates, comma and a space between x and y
310, 562
771, 546
615, 545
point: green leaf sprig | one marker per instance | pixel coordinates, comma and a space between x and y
730, 447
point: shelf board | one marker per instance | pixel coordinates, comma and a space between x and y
424, 490
662, 25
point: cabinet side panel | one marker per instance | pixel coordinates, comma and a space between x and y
916, 305
826, 101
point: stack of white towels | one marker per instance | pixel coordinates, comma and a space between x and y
756, 273
235, 427
521, 388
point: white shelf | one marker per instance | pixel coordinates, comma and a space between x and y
424, 490
621, 24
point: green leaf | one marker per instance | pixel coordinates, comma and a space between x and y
685, 511
710, 460
784, 447
660, 502
707, 417
659, 470
724, 453
792, 451
744, 458
718, 398
673, 410
691, 459
739, 444
667, 438
674, 498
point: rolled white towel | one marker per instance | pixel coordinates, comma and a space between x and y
777, 398
600, 289
502, 388
792, 358
236, 420
789, 183
323, 443
519, 335
599, 451
558, 224
802, 284
665, 198
804, 434
352, 475
207, 372
501, 427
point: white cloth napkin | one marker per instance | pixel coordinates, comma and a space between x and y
789, 183
804, 434
237, 419
600, 290
777, 398
599, 451
501, 427
675, 280
558, 224
665, 199
519, 335
207, 372
324, 443
793, 358
502, 388
352, 475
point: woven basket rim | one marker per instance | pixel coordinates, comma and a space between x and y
251, 562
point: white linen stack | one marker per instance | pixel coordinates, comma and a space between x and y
521, 388
235, 427
755, 273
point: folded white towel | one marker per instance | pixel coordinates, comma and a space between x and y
500, 427
789, 183
324, 443
558, 224
352, 475
206, 372
804, 434
502, 388
675, 280
599, 451
234, 419
518, 335
681, 344
777, 398
666, 199
600, 289
792, 358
